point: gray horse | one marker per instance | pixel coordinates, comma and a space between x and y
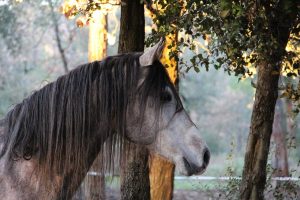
49, 141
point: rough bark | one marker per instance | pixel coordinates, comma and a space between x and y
132, 26
254, 173
135, 183
135, 176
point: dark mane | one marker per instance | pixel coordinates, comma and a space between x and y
54, 124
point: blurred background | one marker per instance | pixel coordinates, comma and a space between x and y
38, 44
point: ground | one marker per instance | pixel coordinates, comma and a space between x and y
113, 194
216, 190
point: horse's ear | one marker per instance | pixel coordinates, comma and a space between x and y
152, 54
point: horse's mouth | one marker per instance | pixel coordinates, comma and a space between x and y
193, 169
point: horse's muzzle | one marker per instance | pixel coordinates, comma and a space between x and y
192, 168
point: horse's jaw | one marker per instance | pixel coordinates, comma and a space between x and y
181, 144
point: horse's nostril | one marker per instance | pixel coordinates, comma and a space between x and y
206, 157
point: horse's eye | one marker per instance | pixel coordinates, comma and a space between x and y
165, 96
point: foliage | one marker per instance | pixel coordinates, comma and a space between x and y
218, 105
35, 61
8, 26
83, 10
277, 189
232, 187
239, 35
239, 30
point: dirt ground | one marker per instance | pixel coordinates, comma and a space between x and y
112, 194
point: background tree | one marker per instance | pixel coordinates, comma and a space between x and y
244, 34
29, 53
278, 19
57, 36
279, 136
134, 172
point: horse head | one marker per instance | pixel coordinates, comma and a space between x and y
165, 127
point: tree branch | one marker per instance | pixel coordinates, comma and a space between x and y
58, 39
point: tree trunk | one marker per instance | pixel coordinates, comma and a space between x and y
161, 170
290, 123
135, 175
280, 21
97, 36
132, 27
254, 174
135, 183
57, 37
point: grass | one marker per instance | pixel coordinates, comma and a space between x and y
198, 185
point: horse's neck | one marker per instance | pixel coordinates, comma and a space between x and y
19, 179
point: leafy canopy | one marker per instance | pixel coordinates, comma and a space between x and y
239, 35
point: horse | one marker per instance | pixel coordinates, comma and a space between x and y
49, 141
